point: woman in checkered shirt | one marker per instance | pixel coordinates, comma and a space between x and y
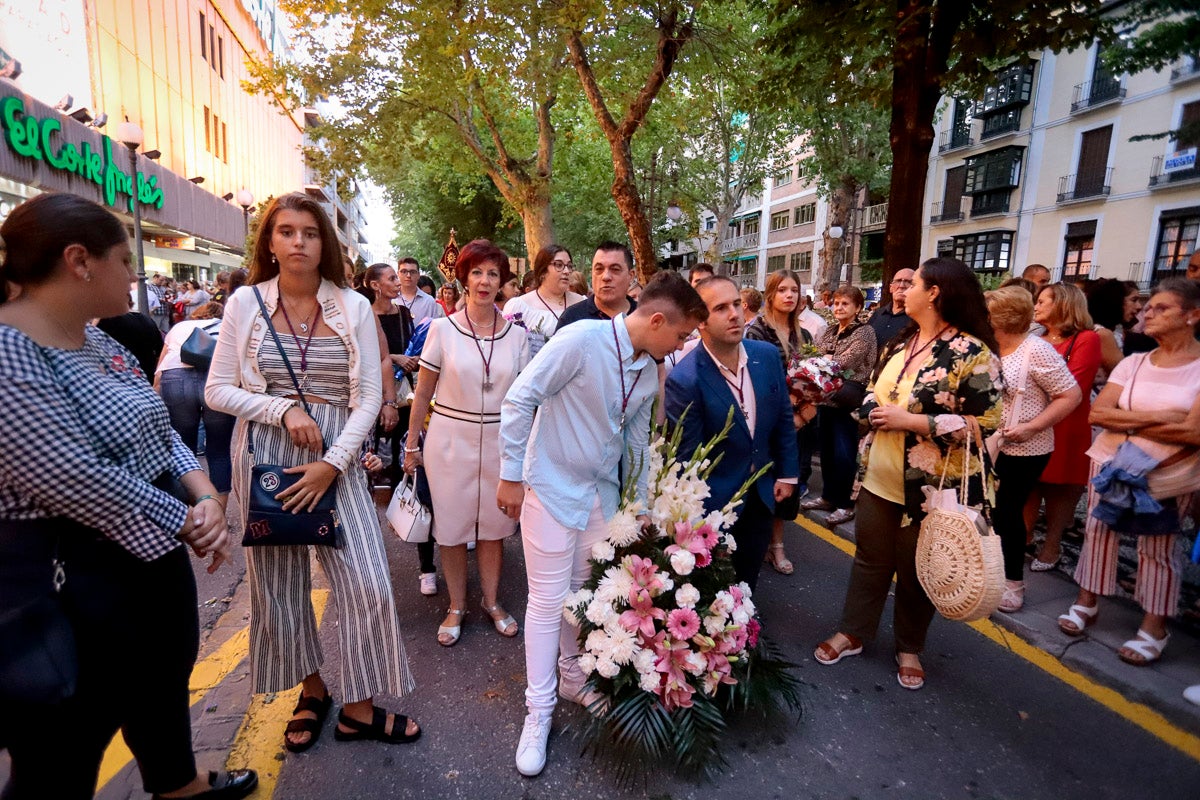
85, 445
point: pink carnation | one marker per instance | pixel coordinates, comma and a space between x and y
753, 628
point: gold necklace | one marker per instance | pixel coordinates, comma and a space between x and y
79, 339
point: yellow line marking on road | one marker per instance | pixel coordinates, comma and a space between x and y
259, 742
206, 675
1143, 716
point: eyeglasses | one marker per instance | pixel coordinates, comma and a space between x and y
563, 266
408, 271
902, 283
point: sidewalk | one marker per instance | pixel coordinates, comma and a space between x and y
1158, 686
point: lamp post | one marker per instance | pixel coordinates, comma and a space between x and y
131, 136
245, 199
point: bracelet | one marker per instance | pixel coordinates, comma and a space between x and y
391, 403
204, 497
412, 449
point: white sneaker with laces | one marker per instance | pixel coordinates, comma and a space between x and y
428, 583
531, 750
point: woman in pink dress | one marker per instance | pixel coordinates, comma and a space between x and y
1061, 309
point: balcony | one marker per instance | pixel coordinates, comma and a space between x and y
1096, 93
1160, 178
954, 139
938, 213
1185, 69
1139, 274
874, 218
984, 205
734, 243
1085, 185
1000, 124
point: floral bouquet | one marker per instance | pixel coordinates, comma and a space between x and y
668, 635
814, 380
536, 336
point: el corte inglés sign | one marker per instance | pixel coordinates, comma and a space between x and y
37, 138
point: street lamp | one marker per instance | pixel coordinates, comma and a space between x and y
245, 199
131, 136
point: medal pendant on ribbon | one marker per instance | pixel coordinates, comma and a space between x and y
622, 424
487, 386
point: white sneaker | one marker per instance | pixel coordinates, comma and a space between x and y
428, 583
531, 750
1192, 694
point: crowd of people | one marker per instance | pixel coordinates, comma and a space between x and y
524, 406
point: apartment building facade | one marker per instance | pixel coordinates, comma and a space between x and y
1044, 168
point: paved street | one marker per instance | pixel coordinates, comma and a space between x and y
989, 723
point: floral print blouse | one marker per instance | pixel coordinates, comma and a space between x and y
960, 377
854, 348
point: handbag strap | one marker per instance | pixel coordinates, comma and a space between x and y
1014, 411
286, 362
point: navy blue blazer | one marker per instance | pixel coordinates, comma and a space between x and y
697, 382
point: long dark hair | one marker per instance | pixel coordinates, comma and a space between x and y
38, 231
960, 301
264, 267
1106, 303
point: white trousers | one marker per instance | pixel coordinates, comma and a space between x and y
556, 563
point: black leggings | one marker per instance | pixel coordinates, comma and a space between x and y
137, 636
1018, 475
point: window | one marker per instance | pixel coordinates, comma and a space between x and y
203, 37
1013, 86
710, 223
1003, 122
800, 262
775, 263
997, 169
985, 252
1189, 118
779, 220
750, 227
212, 46
784, 177
207, 130
1177, 240
806, 213
221, 56
991, 202
224, 143
951, 208
1091, 174
1081, 243
960, 129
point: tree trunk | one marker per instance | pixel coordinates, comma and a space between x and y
835, 252
629, 204
923, 38
538, 219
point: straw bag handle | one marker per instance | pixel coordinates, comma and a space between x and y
973, 432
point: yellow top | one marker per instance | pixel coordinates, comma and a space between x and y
885, 467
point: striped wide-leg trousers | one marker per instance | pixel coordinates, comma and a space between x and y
284, 643
1159, 566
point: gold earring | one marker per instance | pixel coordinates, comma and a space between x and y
87, 276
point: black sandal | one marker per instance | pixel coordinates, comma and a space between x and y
310, 726
376, 730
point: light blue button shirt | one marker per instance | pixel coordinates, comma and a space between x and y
571, 451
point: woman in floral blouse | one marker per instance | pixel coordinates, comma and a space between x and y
930, 380
853, 345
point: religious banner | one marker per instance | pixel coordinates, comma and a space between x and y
449, 259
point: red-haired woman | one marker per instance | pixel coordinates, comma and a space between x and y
469, 360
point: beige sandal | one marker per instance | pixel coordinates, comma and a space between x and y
779, 560
506, 625
448, 635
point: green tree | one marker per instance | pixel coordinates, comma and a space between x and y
472, 84
926, 48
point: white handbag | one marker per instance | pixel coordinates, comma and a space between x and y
409, 518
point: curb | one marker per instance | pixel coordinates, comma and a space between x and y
1159, 686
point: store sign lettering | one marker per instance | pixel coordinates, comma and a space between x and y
37, 138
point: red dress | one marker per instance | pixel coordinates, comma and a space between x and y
1073, 436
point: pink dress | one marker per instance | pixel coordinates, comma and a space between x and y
1069, 463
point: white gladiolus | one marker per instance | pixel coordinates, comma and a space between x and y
603, 552
687, 596
683, 562
607, 668
587, 663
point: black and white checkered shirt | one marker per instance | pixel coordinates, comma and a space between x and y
82, 434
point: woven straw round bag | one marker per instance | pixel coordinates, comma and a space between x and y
959, 561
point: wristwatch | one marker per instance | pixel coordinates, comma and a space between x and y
391, 403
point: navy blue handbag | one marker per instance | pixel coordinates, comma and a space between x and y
267, 523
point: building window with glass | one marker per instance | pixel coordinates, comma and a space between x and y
806, 213
1178, 231
784, 177
801, 262
1081, 244
989, 251
775, 263
750, 227
779, 220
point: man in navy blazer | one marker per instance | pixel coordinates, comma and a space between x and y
726, 372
